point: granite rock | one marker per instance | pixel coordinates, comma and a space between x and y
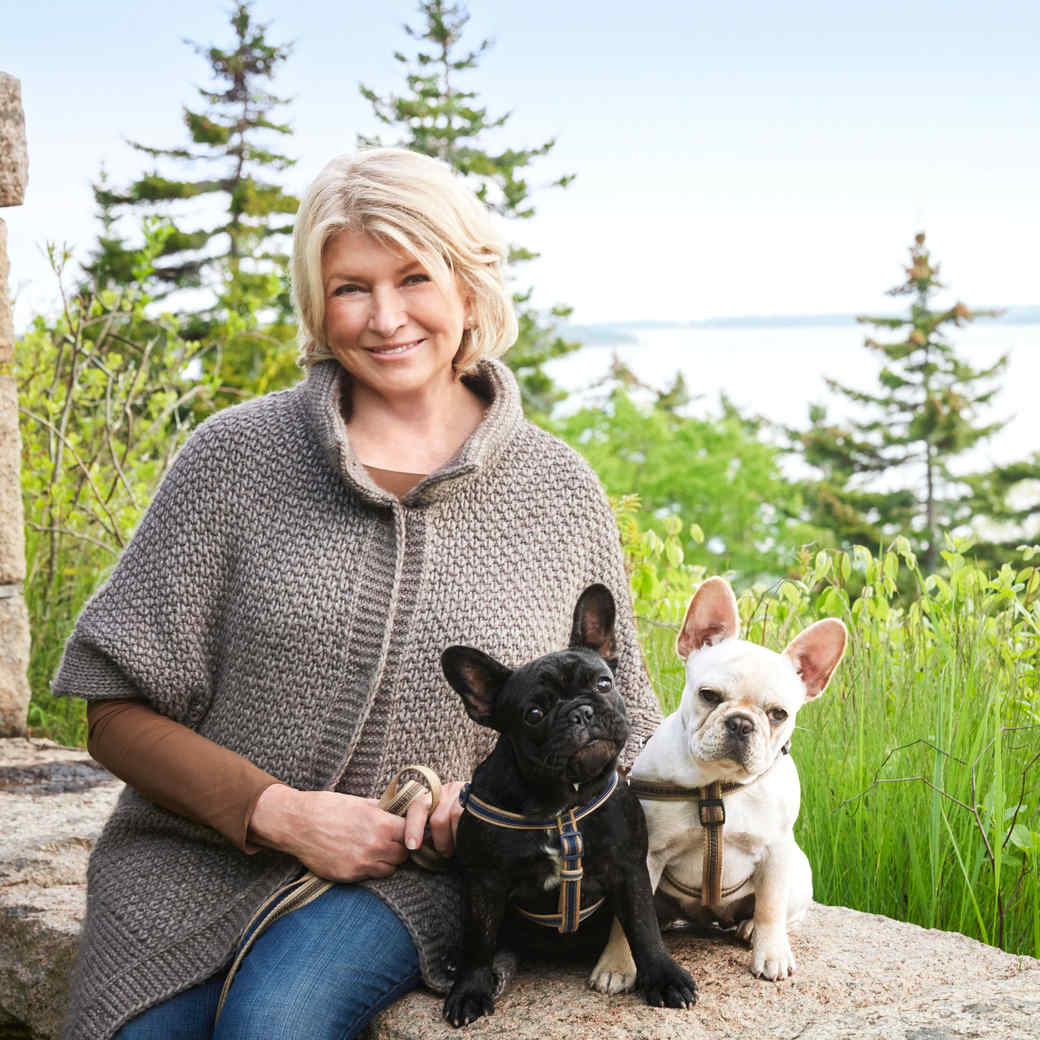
12, 540
53, 801
859, 975
6, 317
14, 160
14, 660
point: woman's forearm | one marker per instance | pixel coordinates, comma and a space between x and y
177, 768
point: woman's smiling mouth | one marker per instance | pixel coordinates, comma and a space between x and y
394, 349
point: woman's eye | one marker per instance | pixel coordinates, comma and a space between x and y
778, 714
346, 289
533, 716
604, 683
711, 696
417, 279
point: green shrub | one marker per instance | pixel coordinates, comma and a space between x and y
106, 396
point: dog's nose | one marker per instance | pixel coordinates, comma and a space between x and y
740, 725
581, 715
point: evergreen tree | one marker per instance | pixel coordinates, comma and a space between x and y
436, 117
236, 256
889, 472
1004, 503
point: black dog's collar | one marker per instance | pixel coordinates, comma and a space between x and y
570, 912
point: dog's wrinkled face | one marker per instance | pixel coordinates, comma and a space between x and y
564, 715
739, 703
562, 712
739, 706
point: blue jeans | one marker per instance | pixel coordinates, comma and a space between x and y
319, 973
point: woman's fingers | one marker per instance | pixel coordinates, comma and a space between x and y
415, 820
444, 821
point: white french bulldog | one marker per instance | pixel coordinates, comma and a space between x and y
733, 725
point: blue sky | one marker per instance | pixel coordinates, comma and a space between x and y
749, 158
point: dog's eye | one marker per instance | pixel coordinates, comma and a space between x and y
711, 696
533, 716
604, 683
778, 714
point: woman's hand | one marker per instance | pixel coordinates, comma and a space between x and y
443, 821
336, 836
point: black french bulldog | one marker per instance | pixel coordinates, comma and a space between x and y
562, 725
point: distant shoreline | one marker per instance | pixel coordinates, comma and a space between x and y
616, 332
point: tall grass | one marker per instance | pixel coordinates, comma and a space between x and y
920, 764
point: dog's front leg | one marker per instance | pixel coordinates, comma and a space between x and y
615, 971
771, 956
662, 982
473, 993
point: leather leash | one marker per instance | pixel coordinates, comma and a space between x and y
402, 790
711, 810
570, 913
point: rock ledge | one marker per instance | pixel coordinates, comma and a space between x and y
859, 975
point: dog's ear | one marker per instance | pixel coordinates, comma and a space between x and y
593, 626
477, 679
815, 654
711, 617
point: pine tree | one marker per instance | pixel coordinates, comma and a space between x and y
889, 472
236, 256
437, 117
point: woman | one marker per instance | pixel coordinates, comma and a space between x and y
264, 657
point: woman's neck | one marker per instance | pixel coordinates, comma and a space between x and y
414, 433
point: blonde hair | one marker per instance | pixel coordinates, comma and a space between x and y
418, 206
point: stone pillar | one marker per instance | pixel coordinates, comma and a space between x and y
14, 619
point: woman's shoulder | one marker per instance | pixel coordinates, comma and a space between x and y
553, 458
269, 421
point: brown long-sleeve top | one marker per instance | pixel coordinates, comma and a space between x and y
181, 770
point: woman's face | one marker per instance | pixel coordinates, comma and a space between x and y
386, 321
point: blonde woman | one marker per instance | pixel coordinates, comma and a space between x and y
264, 657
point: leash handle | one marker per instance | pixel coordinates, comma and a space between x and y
406, 786
402, 790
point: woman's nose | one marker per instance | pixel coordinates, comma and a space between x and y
388, 313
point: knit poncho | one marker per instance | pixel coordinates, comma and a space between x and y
277, 601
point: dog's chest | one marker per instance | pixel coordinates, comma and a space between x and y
551, 865
547, 865
678, 839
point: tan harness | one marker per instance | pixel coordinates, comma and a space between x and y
711, 810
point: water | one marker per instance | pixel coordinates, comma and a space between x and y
778, 372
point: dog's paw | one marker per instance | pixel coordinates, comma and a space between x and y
612, 981
468, 1001
503, 967
668, 985
745, 930
615, 971
771, 956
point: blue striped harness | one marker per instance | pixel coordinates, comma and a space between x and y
570, 912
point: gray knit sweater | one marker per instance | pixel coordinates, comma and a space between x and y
278, 602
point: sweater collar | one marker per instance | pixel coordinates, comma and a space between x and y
491, 380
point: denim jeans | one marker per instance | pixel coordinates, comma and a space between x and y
319, 973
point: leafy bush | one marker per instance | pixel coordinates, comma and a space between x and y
106, 396
715, 470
